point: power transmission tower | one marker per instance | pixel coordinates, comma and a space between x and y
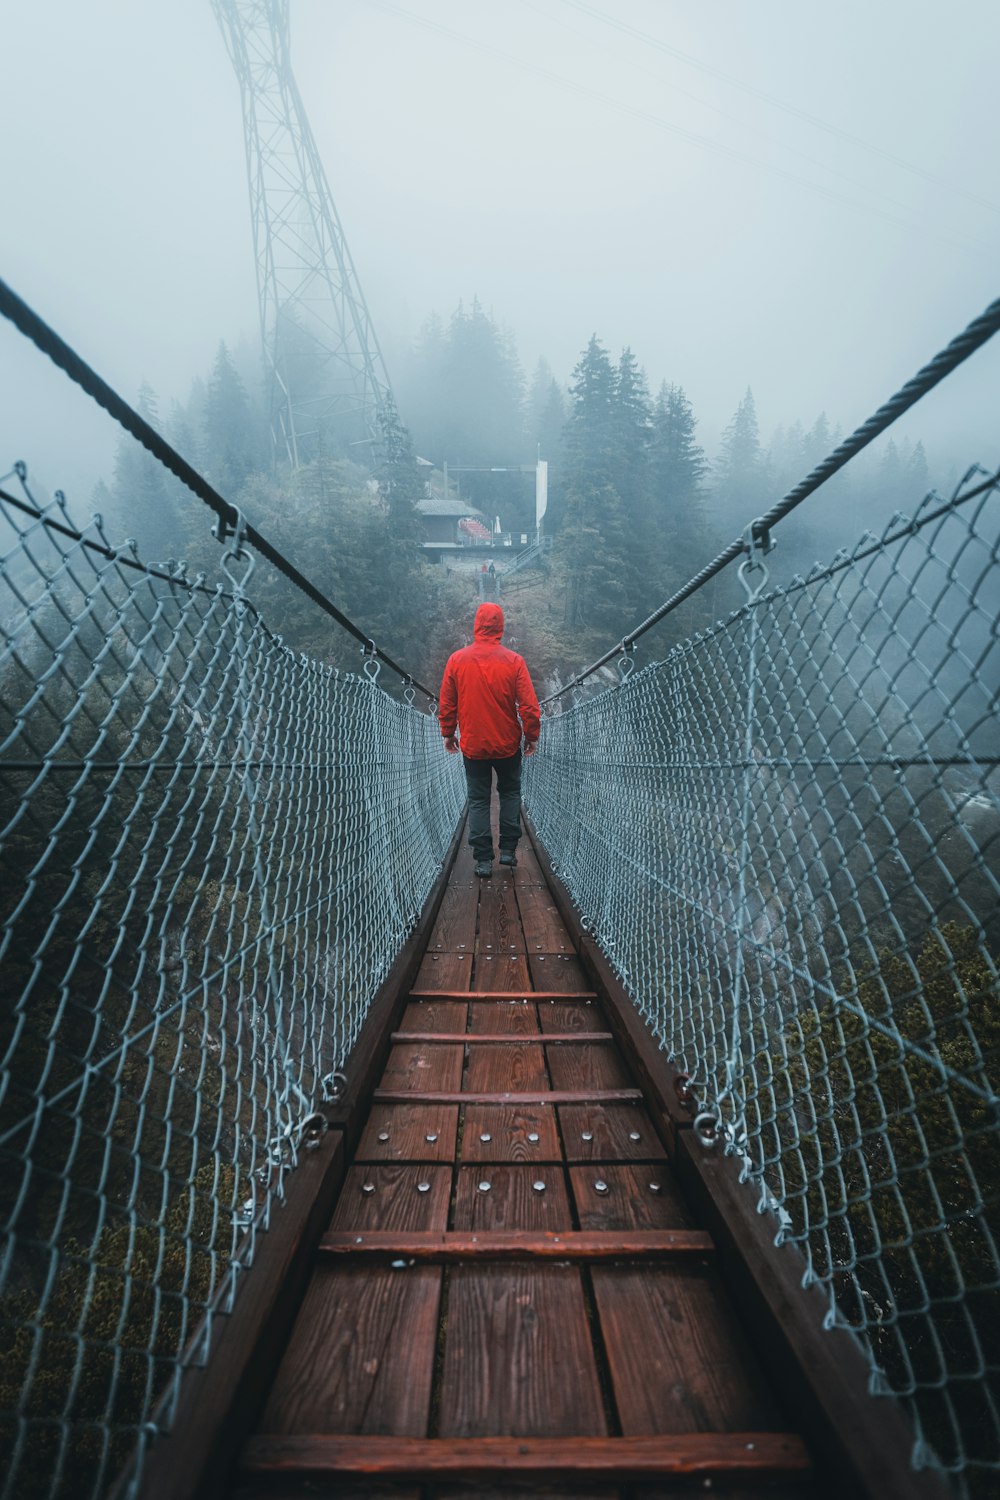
328, 382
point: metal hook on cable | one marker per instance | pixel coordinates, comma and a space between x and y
626, 661
371, 666
237, 552
757, 543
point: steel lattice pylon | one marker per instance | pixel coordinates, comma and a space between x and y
328, 382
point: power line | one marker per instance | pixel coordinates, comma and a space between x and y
691, 137
741, 122
790, 109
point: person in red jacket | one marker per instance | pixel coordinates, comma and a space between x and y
487, 701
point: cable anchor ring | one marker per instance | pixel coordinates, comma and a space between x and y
333, 1086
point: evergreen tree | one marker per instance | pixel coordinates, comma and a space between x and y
141, 491
401, 484
741, 479
633, 435
678, 543
916, 477
549, 439
233, 447
600, 586
891, 477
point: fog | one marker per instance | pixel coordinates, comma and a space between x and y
798, 198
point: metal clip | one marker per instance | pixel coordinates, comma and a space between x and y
409, 692
626, 662
706, 1129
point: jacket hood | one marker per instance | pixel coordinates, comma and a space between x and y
489, 623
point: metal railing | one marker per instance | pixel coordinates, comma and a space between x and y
212, 849
786, 837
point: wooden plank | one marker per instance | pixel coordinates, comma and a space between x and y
413, 1068
553, 1096
455, 928
504, 972
580, 1014
434, 1015
511, 1201
517, 1244
691, 1370
629, 1199
544, 929
514, 1037
588, 1067
607, 1132
518, 1355
558, 971
500, 929
343, 1371
520, 1016
514, 1067
509, 1130
395, 1200
402, 1132
444, 972
527, 994
700, 1454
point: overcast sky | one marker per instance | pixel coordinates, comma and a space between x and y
794, 195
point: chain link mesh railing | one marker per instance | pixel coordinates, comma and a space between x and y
786, 837
212, 849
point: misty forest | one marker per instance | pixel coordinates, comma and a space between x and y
635, 505
665, 1141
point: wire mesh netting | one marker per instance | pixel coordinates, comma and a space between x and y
212, 850
786, 837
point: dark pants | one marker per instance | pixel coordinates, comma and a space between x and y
479, 781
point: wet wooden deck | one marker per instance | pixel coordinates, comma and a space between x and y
513, 1296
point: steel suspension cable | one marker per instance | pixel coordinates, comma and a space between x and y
48, 341
979, 332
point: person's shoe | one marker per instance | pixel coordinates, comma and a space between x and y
508, 857
484, 868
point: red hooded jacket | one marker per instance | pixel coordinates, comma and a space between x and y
487, 693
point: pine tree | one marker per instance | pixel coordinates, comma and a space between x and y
678, 541
916, 477
550, 445
233, 447
741, 479
141, 491
600, 590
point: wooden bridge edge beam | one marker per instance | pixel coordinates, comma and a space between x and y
862, 1443
219, 1401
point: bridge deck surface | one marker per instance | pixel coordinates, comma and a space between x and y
511, 1259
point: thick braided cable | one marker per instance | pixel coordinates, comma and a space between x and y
978, 333
48, 341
